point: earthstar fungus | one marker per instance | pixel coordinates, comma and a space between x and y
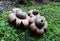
38, 24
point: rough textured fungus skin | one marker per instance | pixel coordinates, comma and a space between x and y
33, 14
39, 31
45, 26
33, 27
18, 22
11, 17
37, 23
16, 9
19, 16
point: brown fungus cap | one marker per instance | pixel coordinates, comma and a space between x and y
21, 15
39, 22
32, 13
35, 12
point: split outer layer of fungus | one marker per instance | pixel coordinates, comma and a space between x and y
38, 24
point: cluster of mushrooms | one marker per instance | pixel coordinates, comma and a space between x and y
31, 20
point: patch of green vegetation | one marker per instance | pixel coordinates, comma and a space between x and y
52, 14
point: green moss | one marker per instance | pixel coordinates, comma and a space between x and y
52, 14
